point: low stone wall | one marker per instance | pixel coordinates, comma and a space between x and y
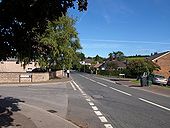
14, 77
56, 74
40, 77
20, 77
6, 77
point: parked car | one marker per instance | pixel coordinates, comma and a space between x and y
39, 70
158, 79
168, 83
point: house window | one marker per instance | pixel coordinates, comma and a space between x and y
2, 62
156, 61
17, 62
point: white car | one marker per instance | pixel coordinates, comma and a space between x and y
159, 79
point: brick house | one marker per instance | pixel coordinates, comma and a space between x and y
12, 65
163, 60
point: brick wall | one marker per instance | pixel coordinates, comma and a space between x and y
9, 77
164, 63
20, 77
40, 77
56, 74
6, 77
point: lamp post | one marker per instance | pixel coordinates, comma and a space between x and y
62, 58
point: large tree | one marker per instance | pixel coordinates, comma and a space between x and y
21, 20
59, 43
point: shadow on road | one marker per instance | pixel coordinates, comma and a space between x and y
8, 105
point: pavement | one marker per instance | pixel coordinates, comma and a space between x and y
17, 114
33, 117
156, 89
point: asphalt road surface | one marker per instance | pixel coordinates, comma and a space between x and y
118, 106
93, 102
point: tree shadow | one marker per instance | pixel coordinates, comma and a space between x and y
8, 105
118, 79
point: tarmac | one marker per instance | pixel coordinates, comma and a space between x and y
28, 116
34, 117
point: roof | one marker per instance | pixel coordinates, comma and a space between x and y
157, 56
88, 60
118, 63
97, 65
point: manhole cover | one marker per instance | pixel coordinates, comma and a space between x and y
52, 111
97, 96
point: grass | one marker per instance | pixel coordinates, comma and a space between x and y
135, 81
135, 58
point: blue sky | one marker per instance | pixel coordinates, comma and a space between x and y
132, 26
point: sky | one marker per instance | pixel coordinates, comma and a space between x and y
134, 27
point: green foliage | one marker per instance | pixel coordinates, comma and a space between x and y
21, 20
81, 56
134, 58
111, 66
109, 73
136, 68
119, 55
59, 43
99, 59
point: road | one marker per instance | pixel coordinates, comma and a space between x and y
93, 102
119, 106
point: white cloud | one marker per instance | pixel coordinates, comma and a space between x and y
127, 41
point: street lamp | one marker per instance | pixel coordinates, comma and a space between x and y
62, 58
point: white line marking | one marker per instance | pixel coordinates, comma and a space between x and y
103, 119
78, 87
83, 94
88, 78
88, 100
154, 104
108, 125
121, 91
94, 108
84, 76
92, 80
106, 80
102, 84
98, 113
73, 86
91, 103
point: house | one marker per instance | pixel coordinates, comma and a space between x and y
163, 60
12, 65
113, 65
86, 62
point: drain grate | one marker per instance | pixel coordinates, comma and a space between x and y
52, 111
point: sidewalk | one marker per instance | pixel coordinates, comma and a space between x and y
157, 89
17, 114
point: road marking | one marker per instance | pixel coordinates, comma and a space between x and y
94, 108
121, 91
91, 103
108, 125
78, 87
88, 78
92, 80
88, 100
102, 84
103, 119
106, 80
84, 76
98, 113
73, 86
160, 106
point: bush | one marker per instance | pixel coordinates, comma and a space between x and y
109, 73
